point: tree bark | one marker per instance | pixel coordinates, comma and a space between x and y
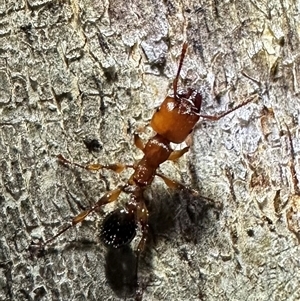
81, 70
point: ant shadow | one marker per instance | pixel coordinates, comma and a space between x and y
179, 215
120, 271
172, 217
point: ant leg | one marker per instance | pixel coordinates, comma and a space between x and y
171, 183
175, 185
217, 117
176, 154
108, 197
139, 142
181, 187
141, 217
118, 167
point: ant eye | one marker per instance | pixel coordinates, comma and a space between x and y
118, 228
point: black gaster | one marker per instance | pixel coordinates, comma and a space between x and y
118, 228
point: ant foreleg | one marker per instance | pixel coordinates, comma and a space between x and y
117, 167
217, 117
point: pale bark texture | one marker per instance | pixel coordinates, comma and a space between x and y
76, 70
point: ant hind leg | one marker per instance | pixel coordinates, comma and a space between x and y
172, 184
108, 197
142, 219
176, 185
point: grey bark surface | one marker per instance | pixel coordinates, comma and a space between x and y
90, 69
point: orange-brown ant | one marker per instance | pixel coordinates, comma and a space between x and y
173, 121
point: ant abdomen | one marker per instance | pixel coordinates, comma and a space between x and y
118, 228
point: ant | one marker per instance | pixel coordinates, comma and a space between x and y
173, 122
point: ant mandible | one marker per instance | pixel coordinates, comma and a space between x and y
173, 121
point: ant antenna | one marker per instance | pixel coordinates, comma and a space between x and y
175, 82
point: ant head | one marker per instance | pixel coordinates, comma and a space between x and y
118, 228
177, 115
